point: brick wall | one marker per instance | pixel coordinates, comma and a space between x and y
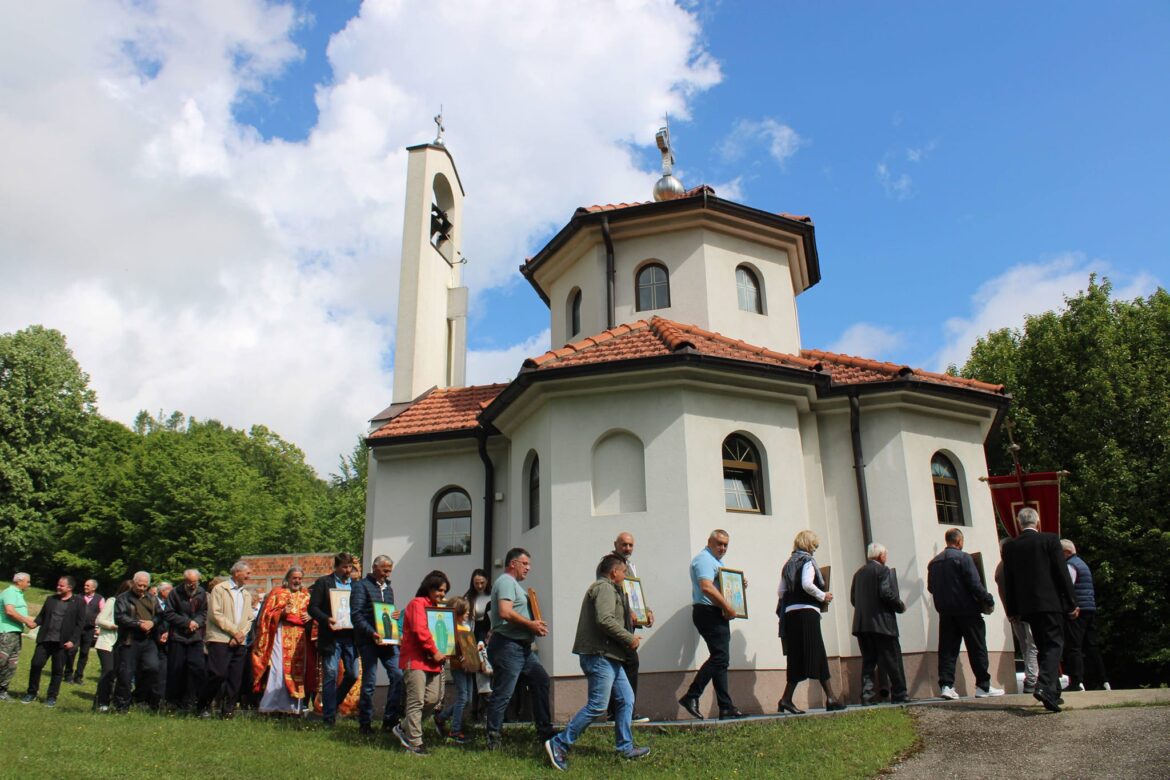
268, 570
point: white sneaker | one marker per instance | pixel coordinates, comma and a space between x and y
989, 691
1107, 687
948, 692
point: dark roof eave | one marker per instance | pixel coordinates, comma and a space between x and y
702, 200
434, 436
998, 400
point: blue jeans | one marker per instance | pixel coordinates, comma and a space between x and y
343, 651
511, 659
604, 675
387, 655
464, 690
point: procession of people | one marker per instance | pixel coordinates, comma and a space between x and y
295, 652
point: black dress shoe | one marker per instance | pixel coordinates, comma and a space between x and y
691, 706
366, 728
835, 706
901, 700
731, 714
1047, 699
789, 707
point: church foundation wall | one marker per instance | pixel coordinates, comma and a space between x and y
757, 691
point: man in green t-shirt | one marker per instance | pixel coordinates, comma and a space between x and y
510, 649
13, 620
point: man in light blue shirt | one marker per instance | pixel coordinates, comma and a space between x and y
711, 614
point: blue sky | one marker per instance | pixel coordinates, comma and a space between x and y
940, 145
220, 233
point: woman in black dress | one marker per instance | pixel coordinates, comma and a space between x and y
801, 596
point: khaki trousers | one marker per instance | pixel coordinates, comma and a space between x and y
423, 690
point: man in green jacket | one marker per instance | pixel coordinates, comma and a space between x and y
602, 643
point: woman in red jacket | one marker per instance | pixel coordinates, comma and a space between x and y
421, 661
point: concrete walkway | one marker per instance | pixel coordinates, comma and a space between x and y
1013, 736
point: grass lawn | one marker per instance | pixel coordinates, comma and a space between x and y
72, 741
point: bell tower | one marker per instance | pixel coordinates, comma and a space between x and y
431, 339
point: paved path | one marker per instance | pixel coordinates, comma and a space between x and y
1014, 737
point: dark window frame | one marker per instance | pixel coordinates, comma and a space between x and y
654, 287
534, 492
436, 516
948, 498
747, 472
575, 313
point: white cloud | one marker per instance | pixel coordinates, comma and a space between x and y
919, 153
864, 339
196, 266
780, 140
485, 366
899, 186
1029, 288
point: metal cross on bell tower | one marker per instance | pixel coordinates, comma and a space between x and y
439, 124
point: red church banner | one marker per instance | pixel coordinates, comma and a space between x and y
1041, 491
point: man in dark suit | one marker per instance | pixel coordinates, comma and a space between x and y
91, 605
60, 621
876, 602
1038, 589
335, 645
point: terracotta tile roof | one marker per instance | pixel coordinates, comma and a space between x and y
457, 409
655, 337
442, 409
850, 370
689, 194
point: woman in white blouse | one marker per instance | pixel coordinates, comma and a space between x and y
802, 598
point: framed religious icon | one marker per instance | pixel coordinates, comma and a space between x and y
977, 558
730, 584
639, 613
441, 624
826, 575
534, 604
387, 625
339, 608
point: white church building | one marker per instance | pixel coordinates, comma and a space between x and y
682, 400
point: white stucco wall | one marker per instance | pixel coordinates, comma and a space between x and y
403, 483
701, 264
808, 463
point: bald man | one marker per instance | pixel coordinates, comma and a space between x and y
623, 547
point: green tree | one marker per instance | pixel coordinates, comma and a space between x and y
1091, 394
46, 412
343, 522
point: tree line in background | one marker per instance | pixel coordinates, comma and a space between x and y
84, 495
1091, 394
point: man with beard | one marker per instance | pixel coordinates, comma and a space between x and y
281, 651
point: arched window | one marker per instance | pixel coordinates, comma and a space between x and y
947, 501
451, 523
653, 287
575, 313
742, 477
534, 492
747, 285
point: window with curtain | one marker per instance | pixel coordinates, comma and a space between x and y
747, 286
947, 501
451, 523
742, 478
